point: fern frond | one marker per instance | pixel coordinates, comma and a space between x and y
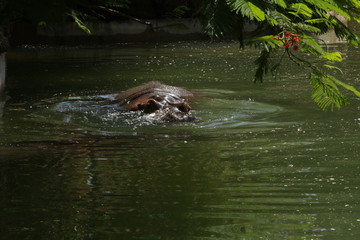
301, 9
329, 5
247, 8
354, 3
312, 46
325, 92
178, 12
306, 27
280, 3
316, 21
276, 18
263, 64
343, 32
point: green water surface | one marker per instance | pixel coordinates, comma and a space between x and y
264, 162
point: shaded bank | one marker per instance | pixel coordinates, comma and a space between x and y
3, 49
160, 30
2, 72
109, 32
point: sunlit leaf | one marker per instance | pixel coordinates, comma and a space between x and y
346, 86
79, 22
334, 56
257, 12
332, 67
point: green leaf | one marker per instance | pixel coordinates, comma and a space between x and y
333, 67
316, 20
76, 16
307, 27
346, 86
247, 8
270, 40
311, 46
276, 18
280, 3
325, 92
301, 9
178, 12
355, 3
357, 19
328, 6
257, 12
334, 56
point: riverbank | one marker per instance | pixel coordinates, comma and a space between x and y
160, 30
2, 71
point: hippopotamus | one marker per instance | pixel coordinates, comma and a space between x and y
166, 103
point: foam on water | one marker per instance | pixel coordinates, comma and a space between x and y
101, 114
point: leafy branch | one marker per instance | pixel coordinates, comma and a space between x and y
290, 26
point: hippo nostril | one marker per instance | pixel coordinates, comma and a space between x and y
151, 106
185, 107
140, 107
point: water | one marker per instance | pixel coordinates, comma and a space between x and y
262, 163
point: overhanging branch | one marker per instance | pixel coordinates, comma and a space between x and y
116, 12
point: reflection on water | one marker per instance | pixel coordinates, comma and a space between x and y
263, 162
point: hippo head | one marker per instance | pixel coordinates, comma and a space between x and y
163, 102
167, 107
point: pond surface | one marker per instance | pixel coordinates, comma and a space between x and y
263, 163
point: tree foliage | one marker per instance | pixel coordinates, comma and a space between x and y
56, 10
291, 27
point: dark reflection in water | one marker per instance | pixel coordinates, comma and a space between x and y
263, 163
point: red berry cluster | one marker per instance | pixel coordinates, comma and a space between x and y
290, 39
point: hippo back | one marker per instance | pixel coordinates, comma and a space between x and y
155, 88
